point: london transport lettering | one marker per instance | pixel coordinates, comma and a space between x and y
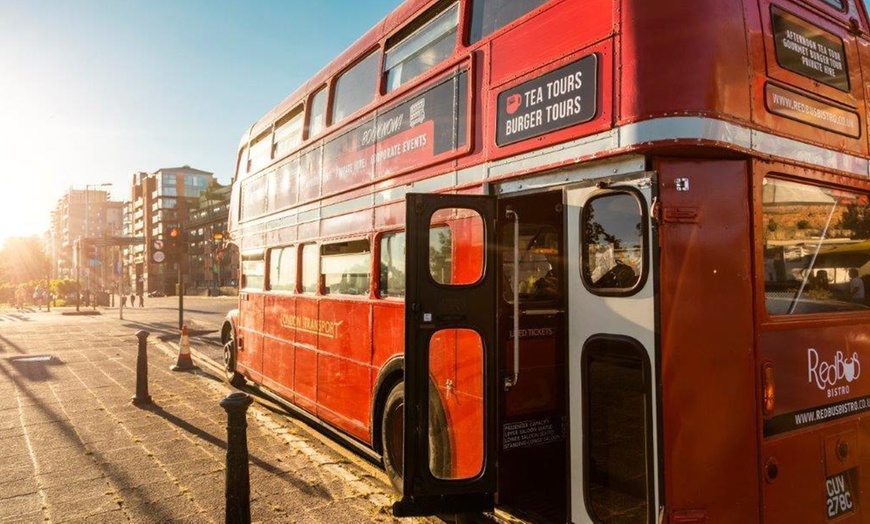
314, 326
556, 100
805, 49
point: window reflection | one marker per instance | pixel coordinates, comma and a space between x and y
612, 239
816, 248
536, 275
346, 268
456, 234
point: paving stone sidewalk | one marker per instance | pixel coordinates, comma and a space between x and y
73, 448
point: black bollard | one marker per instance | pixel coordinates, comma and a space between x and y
238, 488
142, 397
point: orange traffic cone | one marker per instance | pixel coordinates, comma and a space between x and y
184, 362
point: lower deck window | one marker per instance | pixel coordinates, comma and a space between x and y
346, 267
816, 248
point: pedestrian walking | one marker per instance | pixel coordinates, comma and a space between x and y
132, 299
123, 300
141, 299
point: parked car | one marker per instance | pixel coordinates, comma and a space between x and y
157, 294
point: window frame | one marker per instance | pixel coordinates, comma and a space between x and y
301, 268
309, 111
379, 288
645, 242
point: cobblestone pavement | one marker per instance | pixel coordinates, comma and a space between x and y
73, 448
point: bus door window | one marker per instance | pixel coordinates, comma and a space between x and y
613, 242
816, 248
456, 355
346, 267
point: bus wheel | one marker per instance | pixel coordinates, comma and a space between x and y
232, 376
392, 436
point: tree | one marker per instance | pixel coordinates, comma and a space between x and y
857, 219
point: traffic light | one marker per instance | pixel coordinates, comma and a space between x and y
172, 238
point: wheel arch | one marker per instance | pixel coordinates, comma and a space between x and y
229, 326
391, 374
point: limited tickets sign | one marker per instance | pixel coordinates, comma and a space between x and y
559, 99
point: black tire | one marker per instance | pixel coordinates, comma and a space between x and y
392, 436
232, 376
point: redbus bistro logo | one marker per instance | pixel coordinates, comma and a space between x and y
833, 376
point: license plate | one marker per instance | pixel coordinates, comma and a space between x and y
839, 489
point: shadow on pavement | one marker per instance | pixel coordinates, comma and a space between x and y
308, 489
35, 367
120, 478
6, 343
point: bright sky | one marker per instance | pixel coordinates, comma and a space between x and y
92, 91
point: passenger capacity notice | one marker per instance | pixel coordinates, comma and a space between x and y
556, 100
529, 433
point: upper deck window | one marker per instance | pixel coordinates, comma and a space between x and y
423, 44
355, 88
836, 4
317, 113
816, 248
288, 132
261, 151
488, 16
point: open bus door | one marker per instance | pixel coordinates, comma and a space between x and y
450, 355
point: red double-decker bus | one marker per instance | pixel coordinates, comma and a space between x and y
576, 260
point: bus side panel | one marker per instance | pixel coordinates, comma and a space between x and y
710, 75
250, 353
388, 332
305, 368
278, 349
344, 364
708, 386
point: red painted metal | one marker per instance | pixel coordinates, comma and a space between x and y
714, 59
